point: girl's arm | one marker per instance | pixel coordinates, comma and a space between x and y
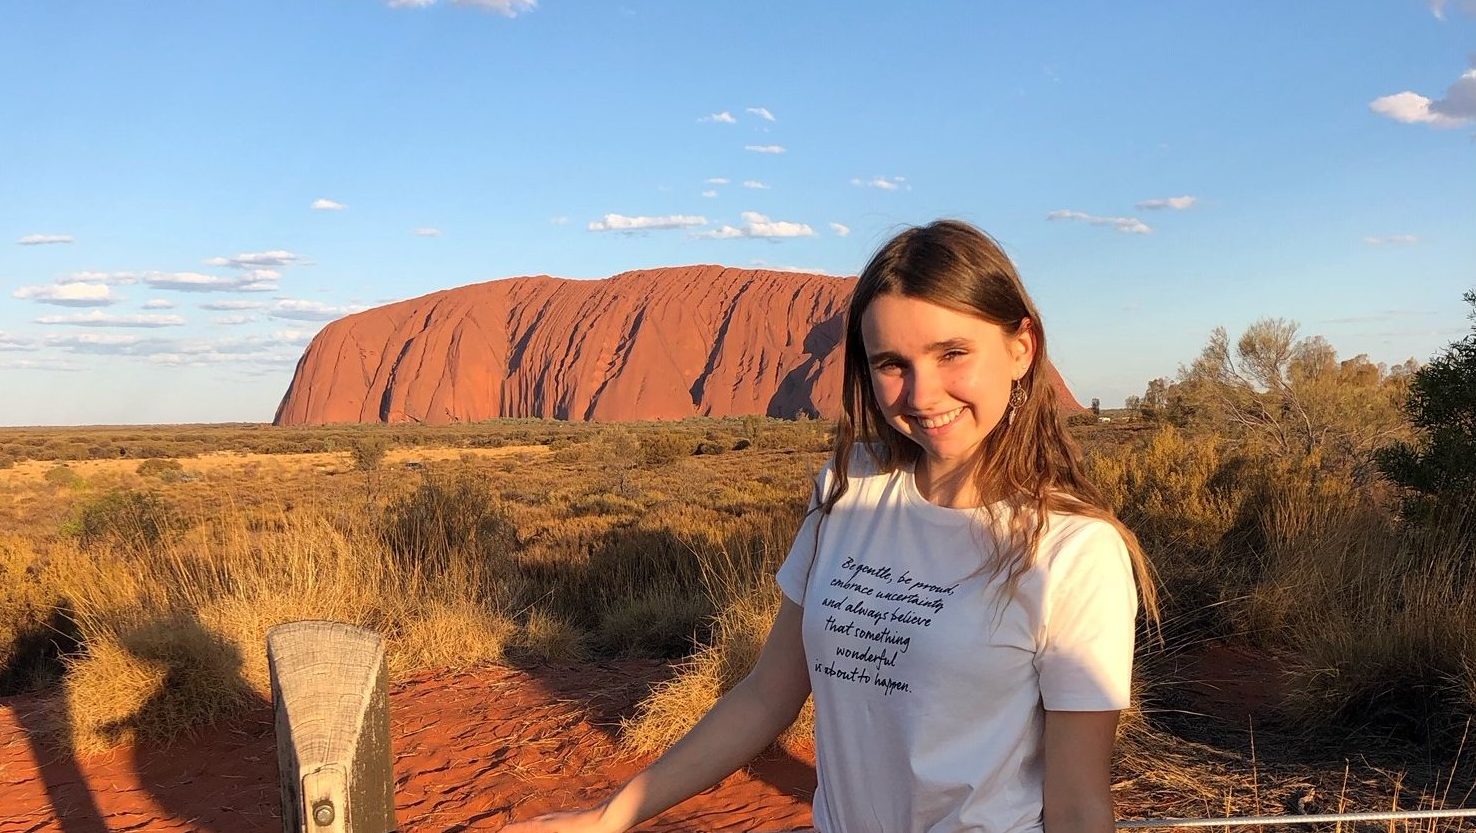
742, 724
1078, 771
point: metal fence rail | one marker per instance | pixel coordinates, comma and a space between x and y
1321, 818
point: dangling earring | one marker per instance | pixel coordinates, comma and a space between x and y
1018, 395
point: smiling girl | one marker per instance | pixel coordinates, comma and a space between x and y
959, 600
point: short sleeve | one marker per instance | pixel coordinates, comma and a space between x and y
794, 573
1086, 659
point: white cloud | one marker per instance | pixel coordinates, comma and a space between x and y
253, 260
39, 364
559, 221
506, 8
1126, 225
158, 303
840, 230
885, 183
765, 148
44, 239
758, 226
1174, 203
256, 280
101, 277
755, 184
427, 231
709, 193
98, 318
762, 112
232, 306
719, 118
620, 222
1392, 240
294, 336
718, 180
294, 309
1437, 7
232, 320
69, 294
325, 204
1457, 107
10, 342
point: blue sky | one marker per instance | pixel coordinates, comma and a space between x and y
189, 190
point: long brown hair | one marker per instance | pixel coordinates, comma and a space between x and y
1031, 460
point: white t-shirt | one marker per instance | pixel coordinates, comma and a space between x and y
928, 696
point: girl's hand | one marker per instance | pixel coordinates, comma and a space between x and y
571, 821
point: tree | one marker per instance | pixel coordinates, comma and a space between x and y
1440, 467
1096, 406
1287, 396
368, 452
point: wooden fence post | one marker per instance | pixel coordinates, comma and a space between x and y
332, 706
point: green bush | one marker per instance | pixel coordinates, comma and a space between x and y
447, 517
662, 448
60, 475
165, 469
368, 452
123, 518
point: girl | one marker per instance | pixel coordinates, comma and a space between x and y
959, 600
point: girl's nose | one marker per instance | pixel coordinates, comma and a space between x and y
924, 390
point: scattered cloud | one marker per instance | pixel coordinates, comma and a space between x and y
1392, 240
158, 303
325, 204
98, 318
427, 231
840, 230
294, 309
755, 184
256, 280
69, 294
758, 226
559, 221
10, 342
719, 118
294, 336
1126, 225
762, 112
885, 183
44, 239
101, 277
255, 260
506, 8
1437, 7
709, 193
271, 351
765, 148
232, 320
1172, 203
39, 364
620, 222
1456, 108
232, 306
718, 180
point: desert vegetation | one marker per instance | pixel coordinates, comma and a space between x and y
1312, 511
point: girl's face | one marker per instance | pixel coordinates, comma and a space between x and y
942, 378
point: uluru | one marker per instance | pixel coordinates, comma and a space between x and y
648, 344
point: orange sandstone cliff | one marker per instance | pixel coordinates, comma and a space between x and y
650, 344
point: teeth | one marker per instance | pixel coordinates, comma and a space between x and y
941, 421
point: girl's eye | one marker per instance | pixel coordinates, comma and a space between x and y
953, 354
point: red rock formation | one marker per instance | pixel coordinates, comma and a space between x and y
650, 344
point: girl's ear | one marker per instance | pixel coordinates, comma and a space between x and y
1022, 348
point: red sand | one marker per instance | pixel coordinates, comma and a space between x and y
472, 751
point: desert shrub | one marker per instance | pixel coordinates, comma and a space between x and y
122, 518
60, 475
7, 460
711, 447
449, 516
165, 469
1439, 468
664, 447
368, 453
743, 444
659, 622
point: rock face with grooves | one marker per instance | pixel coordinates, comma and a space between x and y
650, 344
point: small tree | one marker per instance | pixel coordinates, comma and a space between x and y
1440, 467
368, 452
1096, 407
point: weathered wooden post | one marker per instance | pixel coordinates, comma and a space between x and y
332, 704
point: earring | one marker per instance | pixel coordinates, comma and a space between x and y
1018, 395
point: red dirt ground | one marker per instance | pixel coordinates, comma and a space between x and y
472, 751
